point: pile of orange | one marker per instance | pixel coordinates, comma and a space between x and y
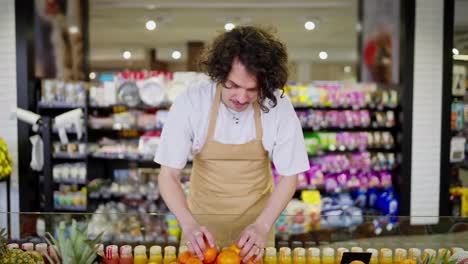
228, 255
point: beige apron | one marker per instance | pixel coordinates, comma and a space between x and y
230, 184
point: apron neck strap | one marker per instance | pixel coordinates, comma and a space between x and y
214, 115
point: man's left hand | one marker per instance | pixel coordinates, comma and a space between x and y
252, 241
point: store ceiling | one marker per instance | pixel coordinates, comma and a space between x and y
116, 26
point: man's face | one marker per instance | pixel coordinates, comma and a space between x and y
240, 88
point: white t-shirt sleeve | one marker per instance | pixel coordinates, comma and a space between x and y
177, 135
289, 153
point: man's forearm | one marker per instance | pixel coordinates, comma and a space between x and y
173, 195
279, 199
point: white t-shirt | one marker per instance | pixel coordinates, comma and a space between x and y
186, 129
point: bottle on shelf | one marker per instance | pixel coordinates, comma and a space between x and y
12, 246
443, 252
386, 256
270, 256
299, 256
155, 255
41, 248
169, 255
414, 254
27, 247
313, 255
357, 249
112, 254
328, 256
400, 255
182, 249
284, 255
100, 252
140, 255
126, 256
339, 254
429, 253
374, 257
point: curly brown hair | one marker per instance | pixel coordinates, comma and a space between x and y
262, 53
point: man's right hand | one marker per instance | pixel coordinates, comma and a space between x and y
195, 236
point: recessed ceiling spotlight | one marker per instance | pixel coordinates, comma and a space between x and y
347, 69
323, 55
126, 54
309, 25
151, 25
229, 26
92, 75
455, 51
176, 55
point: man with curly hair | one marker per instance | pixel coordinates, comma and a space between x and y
234, 125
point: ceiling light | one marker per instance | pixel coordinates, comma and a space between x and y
309, 25
229, 26
73, 29
347, 69
126, 54
455, 51
92, 75
151, 25
323, 55
176, 55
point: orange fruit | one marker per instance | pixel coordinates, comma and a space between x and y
182, 259
209, 256
228, 257
234, 248
193, 260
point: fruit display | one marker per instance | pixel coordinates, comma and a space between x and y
6, 162
14, 255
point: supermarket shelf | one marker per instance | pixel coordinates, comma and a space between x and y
349, 129
59, 105
122, 157
77, 182
344, 108
65, 208
113, 129
347, 151
116, 197
141, 106
68, 156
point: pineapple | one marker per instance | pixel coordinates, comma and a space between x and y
12, 256
77, 249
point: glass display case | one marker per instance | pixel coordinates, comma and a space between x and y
122, 228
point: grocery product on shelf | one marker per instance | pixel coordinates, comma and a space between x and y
169, 255
339, 94
70, 198
60, 93
375, 255
299, 256
126, 256
112, 254
284, 256
140, 255
156, 255
328, 256
72, 173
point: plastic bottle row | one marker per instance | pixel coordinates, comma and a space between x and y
333, 94
126, 254
318, 143
345, 119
